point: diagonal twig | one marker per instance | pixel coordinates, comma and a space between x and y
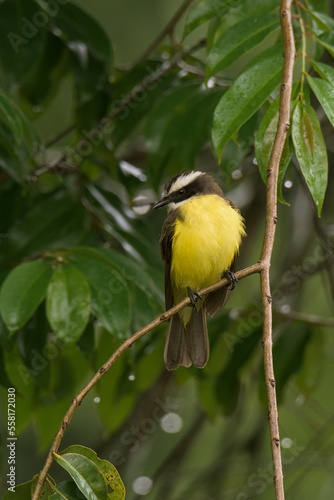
120, 106
168, 30
76, 401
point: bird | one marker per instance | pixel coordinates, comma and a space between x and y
199, 240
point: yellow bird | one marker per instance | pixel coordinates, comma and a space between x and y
200, 241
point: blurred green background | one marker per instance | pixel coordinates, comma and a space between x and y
200, 434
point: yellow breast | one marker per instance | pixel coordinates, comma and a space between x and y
206, 239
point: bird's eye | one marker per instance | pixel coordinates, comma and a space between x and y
182, 191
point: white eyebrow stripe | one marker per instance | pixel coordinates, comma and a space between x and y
184, 180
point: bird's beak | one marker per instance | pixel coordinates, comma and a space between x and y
161, 203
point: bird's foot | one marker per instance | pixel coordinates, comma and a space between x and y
193, 296
231, 277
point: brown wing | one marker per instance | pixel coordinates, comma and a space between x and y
165, 241
216, 300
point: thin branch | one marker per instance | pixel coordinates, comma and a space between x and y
173, 460
327, 239
121, 106
268, 243
59, 136
311, 319
76, 401
168, 30
189, 68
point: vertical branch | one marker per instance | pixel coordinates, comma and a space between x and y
268, 242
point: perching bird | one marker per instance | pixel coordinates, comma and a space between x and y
200, 241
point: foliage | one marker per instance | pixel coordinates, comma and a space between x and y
80, 264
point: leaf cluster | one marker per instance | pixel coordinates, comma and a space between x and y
80, 268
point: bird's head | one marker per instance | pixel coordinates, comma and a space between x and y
186, 186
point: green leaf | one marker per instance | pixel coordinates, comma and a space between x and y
22, 292
179, 123
248, 92
288, 353
324, 92
238, 40
242, 346
108, 471
110, 296
195, 124
286, 158
132, 114
113, 401
92, 89
43, 82
327, 41
67, 491
324, 22
32, 345
161, 130
270, 115
18, 140
127, 267
320, 5
267, 146
24, 491
90, 61
22, 35
312, 368
311, 151
68, 303
326, 72
20, 492
267, 136
4, 379
51, 222
77, 26
86, 475
201, 12
242, 11
264, 142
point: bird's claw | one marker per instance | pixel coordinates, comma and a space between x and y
231, 277
193, 296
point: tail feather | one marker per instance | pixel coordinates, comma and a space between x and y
176, 352
197, 340
187, 345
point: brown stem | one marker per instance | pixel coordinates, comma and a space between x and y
311, 319
59, 136
168, 30
76, 401
121, 106
268, 242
